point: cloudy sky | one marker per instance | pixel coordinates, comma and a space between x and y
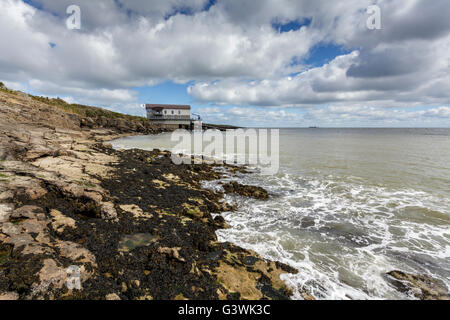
272, 63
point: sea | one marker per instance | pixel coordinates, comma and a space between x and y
346, 206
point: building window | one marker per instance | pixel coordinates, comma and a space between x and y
179, 112
172, 111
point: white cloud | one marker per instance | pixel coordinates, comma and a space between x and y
231, 52
375, 116
250, 116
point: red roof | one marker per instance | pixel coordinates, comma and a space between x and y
167, 106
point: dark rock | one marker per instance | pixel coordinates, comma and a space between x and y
421, 286
246, 191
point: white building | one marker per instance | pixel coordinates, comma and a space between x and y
170, 116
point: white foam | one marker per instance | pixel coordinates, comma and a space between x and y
352, 237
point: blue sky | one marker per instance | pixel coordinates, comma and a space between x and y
252, 63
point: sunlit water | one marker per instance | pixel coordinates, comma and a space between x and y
347, 206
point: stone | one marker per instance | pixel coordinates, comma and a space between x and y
221, 223
108, 211
60, 221
5, 211
421, 286
245, 190
50, 274
172, 252
112, 296
26, 212
9, 296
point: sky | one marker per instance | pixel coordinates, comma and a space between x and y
265, 63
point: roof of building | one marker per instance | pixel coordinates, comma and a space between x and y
167, 106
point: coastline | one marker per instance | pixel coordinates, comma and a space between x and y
131, 223
135, 225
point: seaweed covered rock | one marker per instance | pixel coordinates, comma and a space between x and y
421, 286
245, 190
126, 224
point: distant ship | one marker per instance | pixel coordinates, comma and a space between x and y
314, 127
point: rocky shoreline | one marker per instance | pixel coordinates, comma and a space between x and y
131, 223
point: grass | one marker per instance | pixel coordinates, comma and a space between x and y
3, 175
81, 110
85, 111
4, 88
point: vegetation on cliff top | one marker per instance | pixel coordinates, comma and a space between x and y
81, 110
85, 111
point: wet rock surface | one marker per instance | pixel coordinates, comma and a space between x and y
420, 286
131, 223
245, 190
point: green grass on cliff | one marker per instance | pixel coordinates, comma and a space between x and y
85, 111
81, 110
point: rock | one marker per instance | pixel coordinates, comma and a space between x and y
56, 163
50, 274
5, 211
76, 253
135, 211
245, 190
172, 252
112, 296
221, 223
108, 211
26, 212
421, 286
87, 122
9, 296
6, 195
60, 221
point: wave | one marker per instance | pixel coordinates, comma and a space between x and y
343, 236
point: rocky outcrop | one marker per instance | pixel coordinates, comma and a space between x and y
420, 286
124, 224
121, 125
246, 191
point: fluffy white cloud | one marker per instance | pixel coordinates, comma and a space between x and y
115, 50
377, 116
332, 83
230, 51
250, 116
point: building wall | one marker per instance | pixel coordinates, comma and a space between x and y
175, 112
172, 122
170, 112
